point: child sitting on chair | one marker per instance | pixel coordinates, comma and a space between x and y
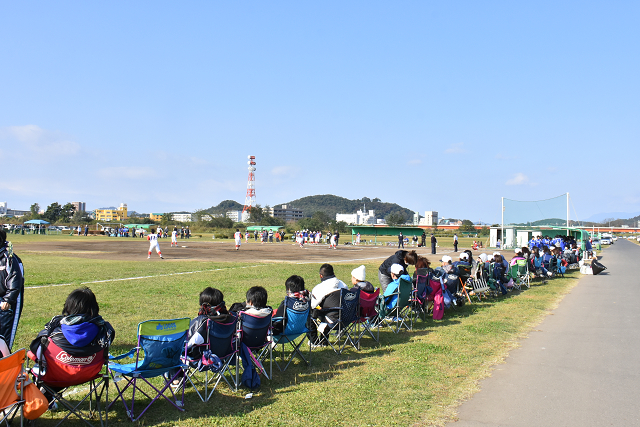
295, 289
80, 331
256, 303
397, 273
212, 307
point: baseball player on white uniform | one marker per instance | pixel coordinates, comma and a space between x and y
174, 238
153, 243
238, 237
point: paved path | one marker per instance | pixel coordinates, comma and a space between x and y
581, 367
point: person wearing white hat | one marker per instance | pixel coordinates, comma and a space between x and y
397, 273
464, 260
359, 279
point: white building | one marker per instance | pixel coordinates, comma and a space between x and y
80, 206
3, 208
358, 218
238, 216
430, 218
181, 216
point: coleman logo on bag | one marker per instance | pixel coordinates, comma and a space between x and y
65, 357
300, 305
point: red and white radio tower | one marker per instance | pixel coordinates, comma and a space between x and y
250, 200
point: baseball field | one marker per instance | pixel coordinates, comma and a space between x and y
412, 378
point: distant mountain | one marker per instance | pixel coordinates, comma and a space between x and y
331, 205
615, 215
224, 206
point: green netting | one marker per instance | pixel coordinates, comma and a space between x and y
549, 212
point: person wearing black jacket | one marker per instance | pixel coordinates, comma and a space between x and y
400, 257
11, 290
434, 241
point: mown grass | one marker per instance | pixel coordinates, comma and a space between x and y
412, 378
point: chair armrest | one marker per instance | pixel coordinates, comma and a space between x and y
122, 356
32, 356
277, 319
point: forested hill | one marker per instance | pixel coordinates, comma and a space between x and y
331, 205
224, 206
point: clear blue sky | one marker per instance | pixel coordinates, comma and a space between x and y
434, 105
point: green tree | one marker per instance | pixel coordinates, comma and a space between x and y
66, 212
256, 214
484, 231
166, 219
81, 217
35, 208
395, 218
467, 226
53, 212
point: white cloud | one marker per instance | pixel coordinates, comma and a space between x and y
457, 148
518, 179
127, 172
41, 141
415, 162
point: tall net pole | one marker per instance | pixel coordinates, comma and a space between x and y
250, 200
567, 213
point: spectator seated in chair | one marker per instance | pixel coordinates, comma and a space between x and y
329, 283
390, 295
79, 332
294, 286
359, 280
256, 303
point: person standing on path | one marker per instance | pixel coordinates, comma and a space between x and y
434, 241
400, 240
424, 239
455, 243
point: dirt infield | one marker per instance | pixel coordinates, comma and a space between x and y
221, 251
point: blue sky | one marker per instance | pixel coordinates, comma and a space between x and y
433, 105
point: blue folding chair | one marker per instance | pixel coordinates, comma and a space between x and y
254, 340
295, 328
201, 373
344, 330
161, 344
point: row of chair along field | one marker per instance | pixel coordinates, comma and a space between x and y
247, 341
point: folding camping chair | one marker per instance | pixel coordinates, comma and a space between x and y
399, 315
254, 340
419, 296
367, 322
12, 383
513, 275
479, 282
56, 371
464, 274
522, 273
343, 331
161, 343
296, 315
201, 373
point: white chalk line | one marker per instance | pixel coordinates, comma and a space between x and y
122, 279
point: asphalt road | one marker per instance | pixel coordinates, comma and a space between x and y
581, 366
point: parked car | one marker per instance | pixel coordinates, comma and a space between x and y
606, 241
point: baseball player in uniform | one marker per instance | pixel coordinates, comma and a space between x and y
238, 237
174, 238
153, 243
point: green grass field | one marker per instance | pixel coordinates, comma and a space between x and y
412, 378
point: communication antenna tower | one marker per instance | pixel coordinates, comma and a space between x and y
250, 200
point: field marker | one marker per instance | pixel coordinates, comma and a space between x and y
122, 279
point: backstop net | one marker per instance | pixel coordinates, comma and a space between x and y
536, 213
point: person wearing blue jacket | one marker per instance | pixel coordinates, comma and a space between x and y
397, 273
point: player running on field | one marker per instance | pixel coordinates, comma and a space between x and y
153, 243
238, 236
174, 238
